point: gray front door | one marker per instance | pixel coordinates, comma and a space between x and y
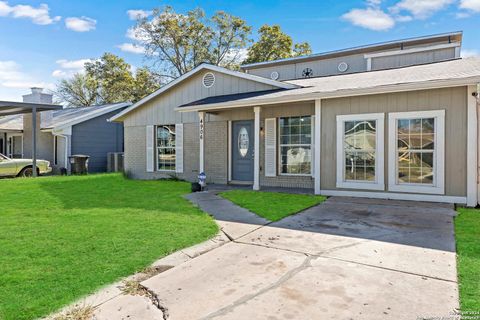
242, 150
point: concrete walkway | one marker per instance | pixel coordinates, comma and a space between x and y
344, 259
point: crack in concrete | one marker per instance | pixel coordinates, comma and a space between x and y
287, 276
154, 298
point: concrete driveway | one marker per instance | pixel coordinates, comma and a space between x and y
344, 259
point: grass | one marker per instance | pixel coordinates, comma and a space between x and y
273, 206
64, 237
467, 233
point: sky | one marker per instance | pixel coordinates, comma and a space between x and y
44, 41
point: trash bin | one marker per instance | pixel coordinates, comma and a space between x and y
79, 164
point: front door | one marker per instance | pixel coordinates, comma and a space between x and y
242, 150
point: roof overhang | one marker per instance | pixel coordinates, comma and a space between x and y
8, 108
278, 84
413, 86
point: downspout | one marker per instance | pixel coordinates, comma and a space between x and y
478, 143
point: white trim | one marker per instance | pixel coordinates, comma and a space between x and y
90, 115
379, 183
458, 52
229, 137
395, 196
439, 153
256, 157
150, 150
242, 75
179, 150
411, 50
318, 145
294, 97
369, 64
472, 145
201, 138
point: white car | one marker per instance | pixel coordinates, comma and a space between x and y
21, 167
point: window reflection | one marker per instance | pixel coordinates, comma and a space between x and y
359, 150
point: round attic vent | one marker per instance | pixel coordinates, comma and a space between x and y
342, 66
208, 80
274, 75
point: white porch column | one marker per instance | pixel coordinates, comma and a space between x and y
472, 145
318, 143
256, 156
201, 137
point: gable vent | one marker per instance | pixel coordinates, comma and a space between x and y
274, 75
208, 80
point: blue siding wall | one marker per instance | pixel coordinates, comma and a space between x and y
96, 138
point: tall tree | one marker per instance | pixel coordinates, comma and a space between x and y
274, 44
177, 43
106, 80
78, 91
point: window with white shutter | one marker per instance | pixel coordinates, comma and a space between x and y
270, 147
179, 147
149, 148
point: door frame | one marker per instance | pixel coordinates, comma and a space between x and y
230, 154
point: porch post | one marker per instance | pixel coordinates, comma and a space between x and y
472, 145
256, 155
201, 133
34, 141
317, 149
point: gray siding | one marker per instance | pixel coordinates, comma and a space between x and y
452, 100
44, 139
96, 138
411, 59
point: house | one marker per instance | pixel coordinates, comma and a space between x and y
63, 133
395, 120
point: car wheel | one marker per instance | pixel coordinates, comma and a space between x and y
26, 172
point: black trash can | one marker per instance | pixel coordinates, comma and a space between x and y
79, 164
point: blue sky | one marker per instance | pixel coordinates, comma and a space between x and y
43, 41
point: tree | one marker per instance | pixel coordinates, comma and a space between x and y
104, 81
177, 43
79, 91
274, 44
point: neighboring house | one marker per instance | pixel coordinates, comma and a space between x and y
63, 133
392, 120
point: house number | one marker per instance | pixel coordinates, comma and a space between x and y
201, 129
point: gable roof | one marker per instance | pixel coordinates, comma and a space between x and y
205, 66
63, 118
458, 72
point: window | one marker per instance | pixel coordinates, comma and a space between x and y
166, 148
360, 151
295, 145
416, 151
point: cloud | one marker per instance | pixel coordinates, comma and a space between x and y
11, 76
131, 48
38, 15
80, 24
138, 14
68, 68
420, 9
467, 53
370, 18
473, 5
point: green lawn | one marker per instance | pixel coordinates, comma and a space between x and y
273, 206
467, 233
64, 237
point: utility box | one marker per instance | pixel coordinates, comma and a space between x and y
78, 164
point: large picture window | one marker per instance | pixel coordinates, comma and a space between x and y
416, 151
295, 145
166, 147
360, 151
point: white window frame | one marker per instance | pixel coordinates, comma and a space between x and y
280, 145
157, 148
379, 183
438, 186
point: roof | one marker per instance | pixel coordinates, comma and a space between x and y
230, 97
11, 123
8, 108
64, 117
435, 75
71, 116
204, 66
451, 36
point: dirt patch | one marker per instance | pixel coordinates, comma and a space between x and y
76, 313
